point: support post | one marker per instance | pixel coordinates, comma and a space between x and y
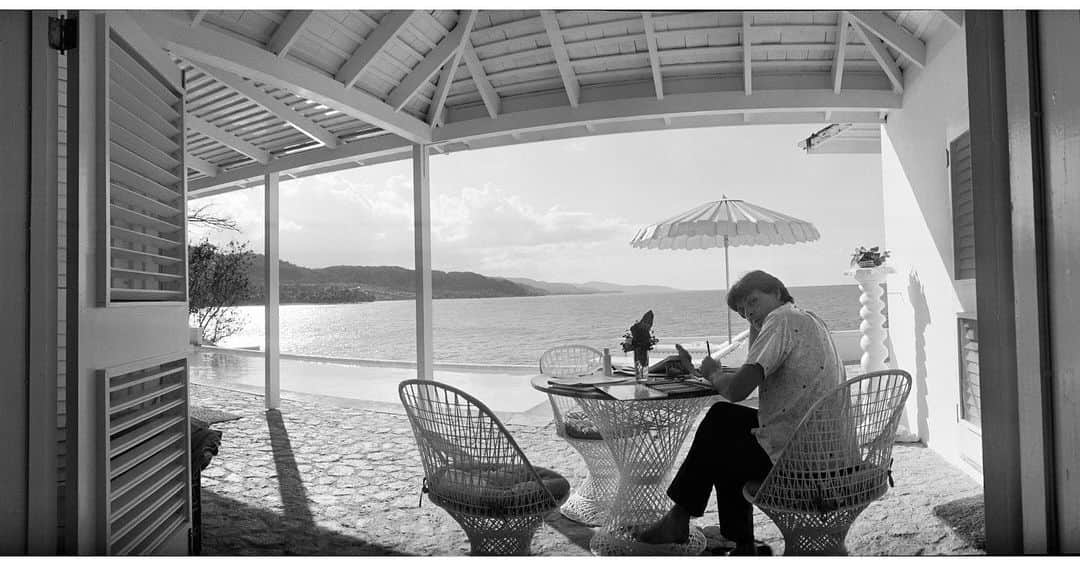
270, 225
425, 352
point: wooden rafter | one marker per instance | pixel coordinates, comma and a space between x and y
295, 119
562, 58
372, 45
367, 149
434, 60
483, 84
446, 78
242, 58
892, 34
654, 53
289, 30
746, 53
881, 55
954, 17
838, 56
674, 104
201, 165
225, 138
197, 17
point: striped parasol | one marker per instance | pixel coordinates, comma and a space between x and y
725, 223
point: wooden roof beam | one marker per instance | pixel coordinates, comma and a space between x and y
881, 55
256, 63
746, 53
483, 84
286, 34
373, 44
838, 56
435, 59
197, 17
295, 119
893, 35
201, 165
562, 58
225, 138
435, 114
954, 17
654, 54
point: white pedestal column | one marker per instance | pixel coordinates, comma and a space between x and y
872, 327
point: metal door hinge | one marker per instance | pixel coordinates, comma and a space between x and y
63, 33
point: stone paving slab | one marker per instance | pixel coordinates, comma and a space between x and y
320, 477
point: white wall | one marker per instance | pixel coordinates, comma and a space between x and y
923, 297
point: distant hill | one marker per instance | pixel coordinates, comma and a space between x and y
556, 288
356, 283
615, 288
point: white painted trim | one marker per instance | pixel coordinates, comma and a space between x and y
372, 45
706, 103
747, 52
370, 147
892, 34
480, 79
271, 104
654, 54
272, 329
225, 138
425, 352
436, 58
881, 55
435, 113
954, 17
290, 29
201, 165
562, 58
841, 52
253, 62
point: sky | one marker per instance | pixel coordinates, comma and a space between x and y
566, 210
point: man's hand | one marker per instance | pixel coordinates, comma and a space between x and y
708, 366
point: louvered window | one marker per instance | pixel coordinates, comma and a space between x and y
146, 455
963, 207
970, 403
145, 245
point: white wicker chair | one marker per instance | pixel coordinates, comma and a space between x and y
475, 470
590, 503
836, 464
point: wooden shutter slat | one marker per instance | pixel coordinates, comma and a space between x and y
124, 171
158, 509
124, 70
136, 199
146, 468
126, 273
148, 429
153, 483
138, 418
140, 110
163, 534
120, 115
141, 219
147, 239
122, 294
145, 256
129, 140
133, 458
132, 380
143, 398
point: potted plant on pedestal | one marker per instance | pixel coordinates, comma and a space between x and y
868, 257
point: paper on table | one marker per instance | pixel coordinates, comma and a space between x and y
630, 391
586, 380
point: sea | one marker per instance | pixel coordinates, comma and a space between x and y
516, 330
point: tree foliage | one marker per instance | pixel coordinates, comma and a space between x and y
217, 283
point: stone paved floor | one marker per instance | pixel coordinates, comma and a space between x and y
321, 477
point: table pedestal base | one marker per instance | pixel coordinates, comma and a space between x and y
607, 542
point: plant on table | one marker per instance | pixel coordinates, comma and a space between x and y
639, 339
872, 257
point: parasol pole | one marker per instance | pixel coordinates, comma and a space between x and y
727, 289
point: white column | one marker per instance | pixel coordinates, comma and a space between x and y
872, 326
272, 346
425, 351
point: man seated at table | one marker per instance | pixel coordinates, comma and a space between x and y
793, 360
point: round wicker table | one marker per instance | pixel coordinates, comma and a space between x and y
644, 436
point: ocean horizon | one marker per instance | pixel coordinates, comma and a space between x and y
516, 330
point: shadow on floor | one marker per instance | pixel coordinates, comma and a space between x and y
966, 518
576, 533
231, 528
290, 485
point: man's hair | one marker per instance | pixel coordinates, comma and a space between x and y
756, 280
